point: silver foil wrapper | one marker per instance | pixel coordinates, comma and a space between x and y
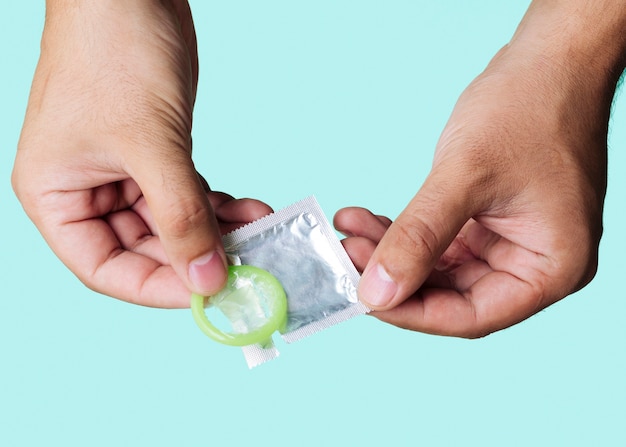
300, 248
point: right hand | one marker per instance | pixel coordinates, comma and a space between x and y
104, 164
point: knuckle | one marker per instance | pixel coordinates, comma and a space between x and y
573, 263
186, 219
25, 191
417, 239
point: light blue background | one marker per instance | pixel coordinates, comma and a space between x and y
344, 100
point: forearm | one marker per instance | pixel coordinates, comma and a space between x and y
112, 29
113, 12
585, 36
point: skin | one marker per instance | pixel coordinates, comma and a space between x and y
507, 222
509, 219
104, 166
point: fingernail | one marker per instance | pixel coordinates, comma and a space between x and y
376, 287
207, 273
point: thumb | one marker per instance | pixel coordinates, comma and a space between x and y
185, 221
415, 241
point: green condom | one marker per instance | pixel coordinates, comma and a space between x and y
253, 301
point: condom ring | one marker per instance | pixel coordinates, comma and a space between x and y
244, 282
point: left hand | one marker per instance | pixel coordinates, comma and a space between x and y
510, 217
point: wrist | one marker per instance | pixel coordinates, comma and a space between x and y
111, 12
580, 36
563, 63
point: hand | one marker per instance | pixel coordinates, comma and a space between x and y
510, 217
104, 165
